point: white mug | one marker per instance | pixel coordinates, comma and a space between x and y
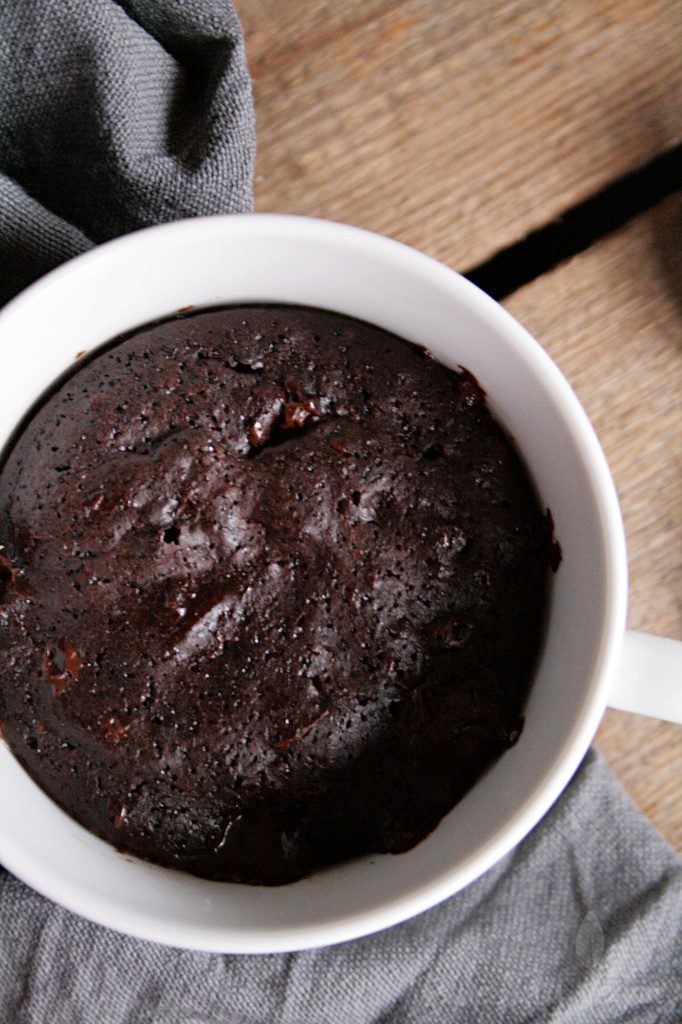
587, 661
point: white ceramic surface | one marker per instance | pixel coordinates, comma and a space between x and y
209, 261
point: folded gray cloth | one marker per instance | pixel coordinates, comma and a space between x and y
118, 115
114, 116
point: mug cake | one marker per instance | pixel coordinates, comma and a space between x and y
273, 585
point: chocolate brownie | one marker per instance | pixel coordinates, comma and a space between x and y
272, 589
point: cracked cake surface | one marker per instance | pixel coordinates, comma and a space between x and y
272, 589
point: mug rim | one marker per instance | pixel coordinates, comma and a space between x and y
603, 490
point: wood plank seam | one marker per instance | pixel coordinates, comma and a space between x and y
578, 228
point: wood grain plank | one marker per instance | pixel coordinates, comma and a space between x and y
457, 127
612, 319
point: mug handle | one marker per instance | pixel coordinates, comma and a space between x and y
649, 680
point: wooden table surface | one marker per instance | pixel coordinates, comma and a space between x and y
460, 128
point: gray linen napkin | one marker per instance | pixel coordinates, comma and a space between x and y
114, 116
117, 115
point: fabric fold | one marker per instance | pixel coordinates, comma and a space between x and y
113, 117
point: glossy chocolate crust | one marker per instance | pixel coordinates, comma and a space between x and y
272, 587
